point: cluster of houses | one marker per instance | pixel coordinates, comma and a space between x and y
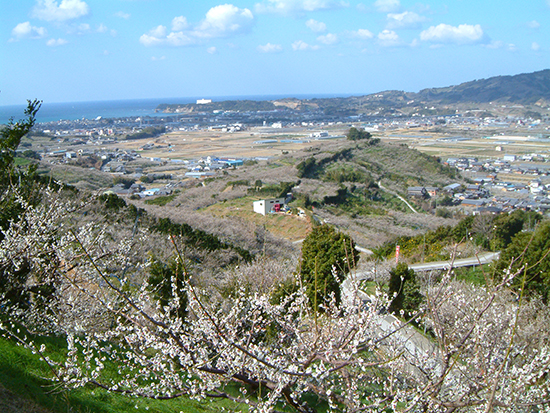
488, 197
508, 164
205, 167
202, 168
140, 190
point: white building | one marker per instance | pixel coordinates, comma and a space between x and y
203, 101
265, 206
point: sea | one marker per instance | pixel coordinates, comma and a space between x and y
53, 112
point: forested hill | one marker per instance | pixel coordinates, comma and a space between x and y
526, 88
523, 89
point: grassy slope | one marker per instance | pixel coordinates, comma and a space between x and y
24, 390
281, 225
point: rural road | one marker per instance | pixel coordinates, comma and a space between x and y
398, 196
415, 346
463, 262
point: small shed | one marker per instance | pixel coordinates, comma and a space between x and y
265, 206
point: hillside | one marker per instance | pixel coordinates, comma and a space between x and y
526, 89
352, 185
523, 89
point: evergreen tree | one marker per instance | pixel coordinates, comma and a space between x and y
162, 278
406, 289
530, 250
355, 134
327, 256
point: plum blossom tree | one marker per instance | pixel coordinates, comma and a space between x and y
352, 356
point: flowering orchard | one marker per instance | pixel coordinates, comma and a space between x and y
479, 354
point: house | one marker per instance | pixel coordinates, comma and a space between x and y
265, 206
417, 191
452, 188
199, 174
488, 210
135, 188
150, 192
432, 190
231, 162
474, 202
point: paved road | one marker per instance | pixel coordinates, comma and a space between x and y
412, 345
416, 348
463, 262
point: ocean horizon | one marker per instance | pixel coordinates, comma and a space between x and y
53, 112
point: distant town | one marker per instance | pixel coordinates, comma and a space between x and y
135, 146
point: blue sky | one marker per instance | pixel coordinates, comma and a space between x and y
85, 50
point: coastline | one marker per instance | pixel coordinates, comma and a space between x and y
124, 108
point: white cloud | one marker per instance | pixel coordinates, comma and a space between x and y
220, 21
102, 28
495, 44
225, 20
300, 45
444, 33
155, 59
122, 15
387, 6
211, 50
27, 31
363, 34
155, 37
388, 38
533, 24
329, 38
315, 26
159, 36
293, 7
50, 10
270, 48
179, 24
159, 31
180, 39
56, 42
405, 20
535, 46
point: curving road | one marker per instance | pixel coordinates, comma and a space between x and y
398, 196
463, 262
